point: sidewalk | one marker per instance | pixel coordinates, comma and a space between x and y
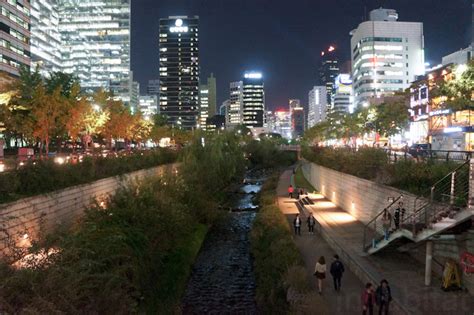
347, 301
405, 275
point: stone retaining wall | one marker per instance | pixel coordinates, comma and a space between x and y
362, 198
22, 221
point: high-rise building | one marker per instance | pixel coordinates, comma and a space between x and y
343, 99
253, 100
134, 95
224, 108
179, 70
153, 87
298, 121
294, 103
234, 114
328, 71
15, 36
207, 101
148, 106
283, 123
203, 106
387, 55
317, 105
45, 36
215, 123
95, 38
212, 86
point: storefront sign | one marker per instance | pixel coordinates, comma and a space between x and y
440, 112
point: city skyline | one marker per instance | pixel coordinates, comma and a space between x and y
289, 48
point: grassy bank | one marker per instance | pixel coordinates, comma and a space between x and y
274, 252
301, 181
47, 176
134, 256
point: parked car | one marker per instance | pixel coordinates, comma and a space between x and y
419, 150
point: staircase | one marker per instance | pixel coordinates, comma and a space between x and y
444, 206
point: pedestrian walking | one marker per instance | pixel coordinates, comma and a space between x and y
383, 296
368, 299
399, 214
311, 222
290, 191
337, 270
297, 224
386, 223
320, 273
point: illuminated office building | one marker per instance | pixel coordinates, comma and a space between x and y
387, 55
207, 101
317, 105
343, 99
14, 36
95, 38
45, 36
234, 110
179, 70
148, 106
328, 71
253, 100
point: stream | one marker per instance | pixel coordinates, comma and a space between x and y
222, 279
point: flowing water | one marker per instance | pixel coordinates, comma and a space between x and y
222, 280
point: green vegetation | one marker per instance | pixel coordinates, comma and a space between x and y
301, 181
387, 119
275, 253
266, 154
47, 176
135, 256
373, 164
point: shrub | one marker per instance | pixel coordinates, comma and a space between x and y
47, 176
274, 252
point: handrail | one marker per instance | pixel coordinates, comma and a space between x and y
430, 190
375, 219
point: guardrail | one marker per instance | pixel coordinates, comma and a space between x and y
432, 155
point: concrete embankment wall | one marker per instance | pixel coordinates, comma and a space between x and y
22, 221
364, 199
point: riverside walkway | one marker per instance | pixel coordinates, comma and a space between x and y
347, 301
343, 233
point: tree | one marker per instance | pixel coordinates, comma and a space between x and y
392, 117
140, 129
459, 91
46, 109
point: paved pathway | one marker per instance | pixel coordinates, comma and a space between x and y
347, 301
406, 275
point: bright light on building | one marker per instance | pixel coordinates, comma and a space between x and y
460, 70
253, 75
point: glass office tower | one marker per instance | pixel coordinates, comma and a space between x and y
179, 70
95, 36
45, 37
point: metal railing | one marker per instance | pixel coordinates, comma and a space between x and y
445, 196
429, 155
373, 230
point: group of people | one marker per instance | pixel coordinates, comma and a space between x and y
294, 192
382, 296
398, 217
310, 221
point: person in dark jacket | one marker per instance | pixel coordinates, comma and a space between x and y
311, 221
368, 300
383, 296
337, 269
399, 214
297, 224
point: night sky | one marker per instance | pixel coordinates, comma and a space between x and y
283, 38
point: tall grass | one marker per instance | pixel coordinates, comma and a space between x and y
274, 252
